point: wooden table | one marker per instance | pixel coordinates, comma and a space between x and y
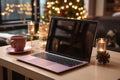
93, 71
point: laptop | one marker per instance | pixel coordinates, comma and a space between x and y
69, 45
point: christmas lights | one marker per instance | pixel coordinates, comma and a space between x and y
70, 9
21, 8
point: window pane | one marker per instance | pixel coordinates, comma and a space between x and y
16, 9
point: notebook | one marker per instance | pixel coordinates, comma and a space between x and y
69, 45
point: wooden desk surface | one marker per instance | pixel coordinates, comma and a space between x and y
93, 71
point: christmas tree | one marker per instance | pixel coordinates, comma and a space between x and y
64, 8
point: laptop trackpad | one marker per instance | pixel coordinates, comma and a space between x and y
48, 65
40, 62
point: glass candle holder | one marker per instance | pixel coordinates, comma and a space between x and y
102, 54
31, 30
101, 45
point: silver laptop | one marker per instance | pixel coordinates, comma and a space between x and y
69, 45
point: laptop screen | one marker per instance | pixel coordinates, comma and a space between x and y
71, 38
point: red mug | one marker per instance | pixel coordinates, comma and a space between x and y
18, 43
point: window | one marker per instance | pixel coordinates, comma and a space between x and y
15, 10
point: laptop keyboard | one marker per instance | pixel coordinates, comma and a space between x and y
58, 59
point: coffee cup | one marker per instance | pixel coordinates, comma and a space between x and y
18, 43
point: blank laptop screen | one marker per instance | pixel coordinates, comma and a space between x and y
71, 38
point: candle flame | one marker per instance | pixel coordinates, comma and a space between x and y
102, 40
101, 50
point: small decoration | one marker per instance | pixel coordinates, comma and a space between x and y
102, 55
31, 30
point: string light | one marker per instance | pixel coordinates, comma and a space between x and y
81, 8
3, 13
58, 12
78, 0
62, 7
67, 6
54, 7
73, 6
79, 17
48, 3
65, 1
81, 13
84, 11
50, 12
77, 14
70, 3
52, 3
56, 1
76, 7
21, 8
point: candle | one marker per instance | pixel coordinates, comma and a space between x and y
101, 45
31, 28
102, 55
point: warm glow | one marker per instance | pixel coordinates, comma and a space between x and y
19, 5
77, 14
6, 8
7, 5
79, 17
76, 7
21, 8
102, 41
56, 1
101, 45
48, 6
43, 17
46, 29
57, 9
73, 6
84, 11
78, 0
3, 13
65, 1
62, 7
101, 50
85, 16
67, 6
52, 3
11, 10
81, 8
49, 12
81, 13
31, 28
48, 3
53, 7
28, 13
58, 12
70, 3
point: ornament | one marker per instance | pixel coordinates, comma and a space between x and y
103, 57
58, 2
